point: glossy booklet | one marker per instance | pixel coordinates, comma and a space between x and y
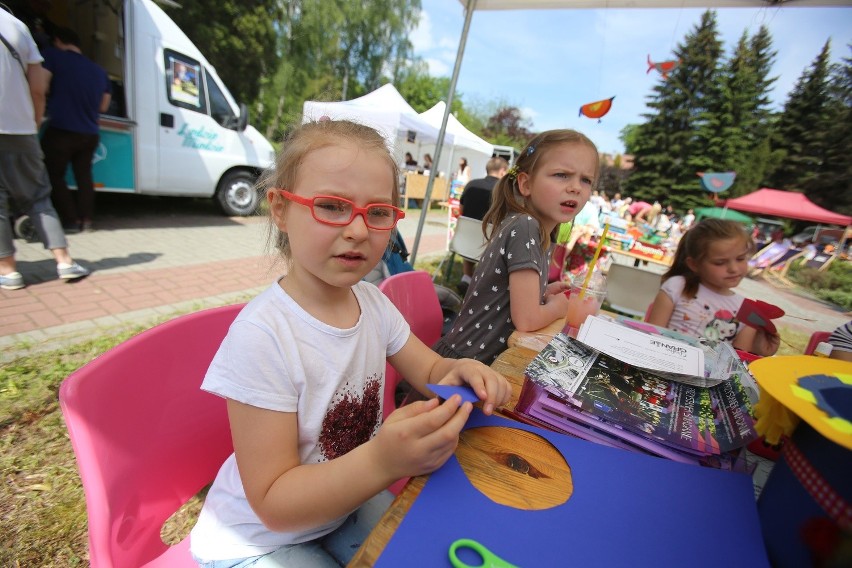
644, 403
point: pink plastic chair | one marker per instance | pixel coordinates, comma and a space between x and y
413, 294
146, 437
816, 338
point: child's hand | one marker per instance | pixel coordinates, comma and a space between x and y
418, 438
766, 343
554, 288
489, 385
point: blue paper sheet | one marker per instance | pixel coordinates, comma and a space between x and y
446, 391
627, 509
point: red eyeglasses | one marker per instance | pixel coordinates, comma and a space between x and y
339, 212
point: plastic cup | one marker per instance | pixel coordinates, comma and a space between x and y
581, 308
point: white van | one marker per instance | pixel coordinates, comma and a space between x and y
172, 128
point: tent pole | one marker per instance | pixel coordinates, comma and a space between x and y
424, 211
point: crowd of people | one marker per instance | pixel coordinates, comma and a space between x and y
654, 217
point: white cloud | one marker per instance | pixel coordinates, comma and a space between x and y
437, 67
421, 37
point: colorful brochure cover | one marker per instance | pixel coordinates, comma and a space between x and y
701, 420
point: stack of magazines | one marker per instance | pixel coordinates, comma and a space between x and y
631, 385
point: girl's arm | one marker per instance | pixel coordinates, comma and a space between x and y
289, 496
527, 313
421, 366
661, 312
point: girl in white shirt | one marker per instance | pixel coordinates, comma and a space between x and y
302, 369
697, 297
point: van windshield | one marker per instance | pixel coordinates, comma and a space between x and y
220, 110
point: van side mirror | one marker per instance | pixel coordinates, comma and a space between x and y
243, 119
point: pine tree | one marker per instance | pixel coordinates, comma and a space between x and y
832, 187
668, 153
802, 132
743, 114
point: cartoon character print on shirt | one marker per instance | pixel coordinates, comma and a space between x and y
352, 418
722, 327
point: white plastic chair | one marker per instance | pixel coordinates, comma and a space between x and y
468, 242
629, 290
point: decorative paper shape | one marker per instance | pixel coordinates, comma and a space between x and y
717, 181
758, 314
617, 497
596, 109
663, 67
446, 391
779, 376
831, 395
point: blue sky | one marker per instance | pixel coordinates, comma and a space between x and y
550, 62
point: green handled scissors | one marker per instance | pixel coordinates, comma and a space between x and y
489, 559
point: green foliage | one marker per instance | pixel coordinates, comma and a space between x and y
832, 185
422, 91
680, 137
223, 29
802, 129
832, 285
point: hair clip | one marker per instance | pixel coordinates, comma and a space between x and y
530, 150
513, 172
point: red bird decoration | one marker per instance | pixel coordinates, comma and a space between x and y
663, 67
596, 109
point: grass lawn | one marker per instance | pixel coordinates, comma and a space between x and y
42, 507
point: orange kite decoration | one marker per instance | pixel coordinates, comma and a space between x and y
663, 67
596, 109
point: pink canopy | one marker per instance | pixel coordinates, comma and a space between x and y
788, 204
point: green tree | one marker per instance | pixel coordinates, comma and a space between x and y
742, 117
832, 187
423, 91
628, 136
372, 36
238, 38
802, 132
668, 150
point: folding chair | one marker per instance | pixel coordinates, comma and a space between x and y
777, 271
765, 257
630, 290
468, 242
146, 437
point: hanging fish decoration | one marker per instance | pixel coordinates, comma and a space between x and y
596, 109
717, 181
663, 67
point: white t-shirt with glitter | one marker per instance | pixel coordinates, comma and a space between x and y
278, 357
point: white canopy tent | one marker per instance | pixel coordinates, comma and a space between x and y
467, 144
388, 112
472, 5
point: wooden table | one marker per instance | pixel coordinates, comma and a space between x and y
503, 463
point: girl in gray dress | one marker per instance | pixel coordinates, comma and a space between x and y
549, 184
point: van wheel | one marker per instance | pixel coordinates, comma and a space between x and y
237, 195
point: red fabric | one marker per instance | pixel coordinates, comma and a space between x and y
788, 204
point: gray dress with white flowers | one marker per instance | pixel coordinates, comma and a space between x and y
484, 323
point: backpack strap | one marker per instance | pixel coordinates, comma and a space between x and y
14, 53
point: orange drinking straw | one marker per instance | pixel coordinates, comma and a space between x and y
594, 261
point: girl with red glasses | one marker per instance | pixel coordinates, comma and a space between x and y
302, 369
